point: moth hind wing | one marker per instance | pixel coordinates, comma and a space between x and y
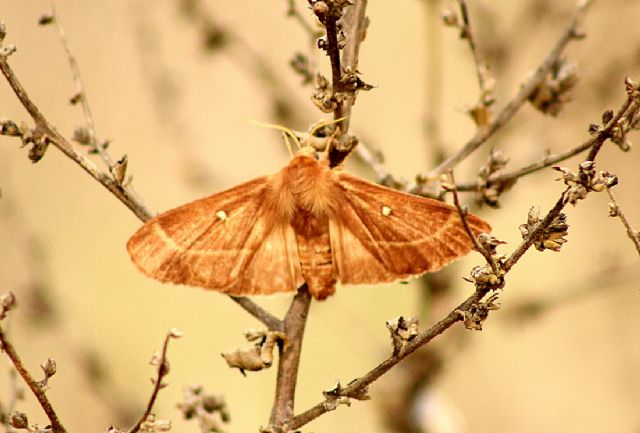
400, 235
208, 242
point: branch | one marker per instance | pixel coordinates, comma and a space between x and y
614, 210
268, 319
463, 217
289, 359
81, 94
509, 110
163, 370
36, 389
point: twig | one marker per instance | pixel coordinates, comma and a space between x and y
293, 11
547, 161
38, 392
518, 100
268, 319
481, 69
355, 25
80, 89
289, 359
463, 217
615, 210
163, 370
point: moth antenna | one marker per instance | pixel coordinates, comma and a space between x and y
326, 123
285, 137
284, 130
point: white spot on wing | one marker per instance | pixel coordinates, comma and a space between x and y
222, 215
386, 210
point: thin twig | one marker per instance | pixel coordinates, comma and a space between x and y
289, 359
268, 319
518, 100
293, 11
463, 217
36, 389
163, 370
481, 69
634, 235
80, 89
547, 161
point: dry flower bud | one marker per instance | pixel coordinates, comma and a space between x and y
449, 17
613, 210
552, 237
175, 333
555, 91
7, 303
82, 136
8, 127
321, 9
19, 420
489, 243
119, 169
479, 312
49, 367
402, 331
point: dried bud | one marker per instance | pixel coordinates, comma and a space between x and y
39, 146
607, 116
449, 17
19, 420
613, 210
8, 127
552, 237
7, 303
210, 410
82, 136
175, 333
49, 367
46, 19
402, 331
483, 277
321, 9
119, 170
555, 91
478, 313
76, 98
489, 243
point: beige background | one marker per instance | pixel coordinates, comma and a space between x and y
574, 368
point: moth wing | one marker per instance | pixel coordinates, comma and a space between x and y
275, 267
212, 242
382, 235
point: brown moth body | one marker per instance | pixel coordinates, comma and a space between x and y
305, 224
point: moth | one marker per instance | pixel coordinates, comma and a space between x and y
307, 223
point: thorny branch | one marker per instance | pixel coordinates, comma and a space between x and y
509, 110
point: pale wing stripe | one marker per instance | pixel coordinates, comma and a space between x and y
173, 244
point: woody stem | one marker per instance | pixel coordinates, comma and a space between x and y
289, 359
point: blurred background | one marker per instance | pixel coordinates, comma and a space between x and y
173, 85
